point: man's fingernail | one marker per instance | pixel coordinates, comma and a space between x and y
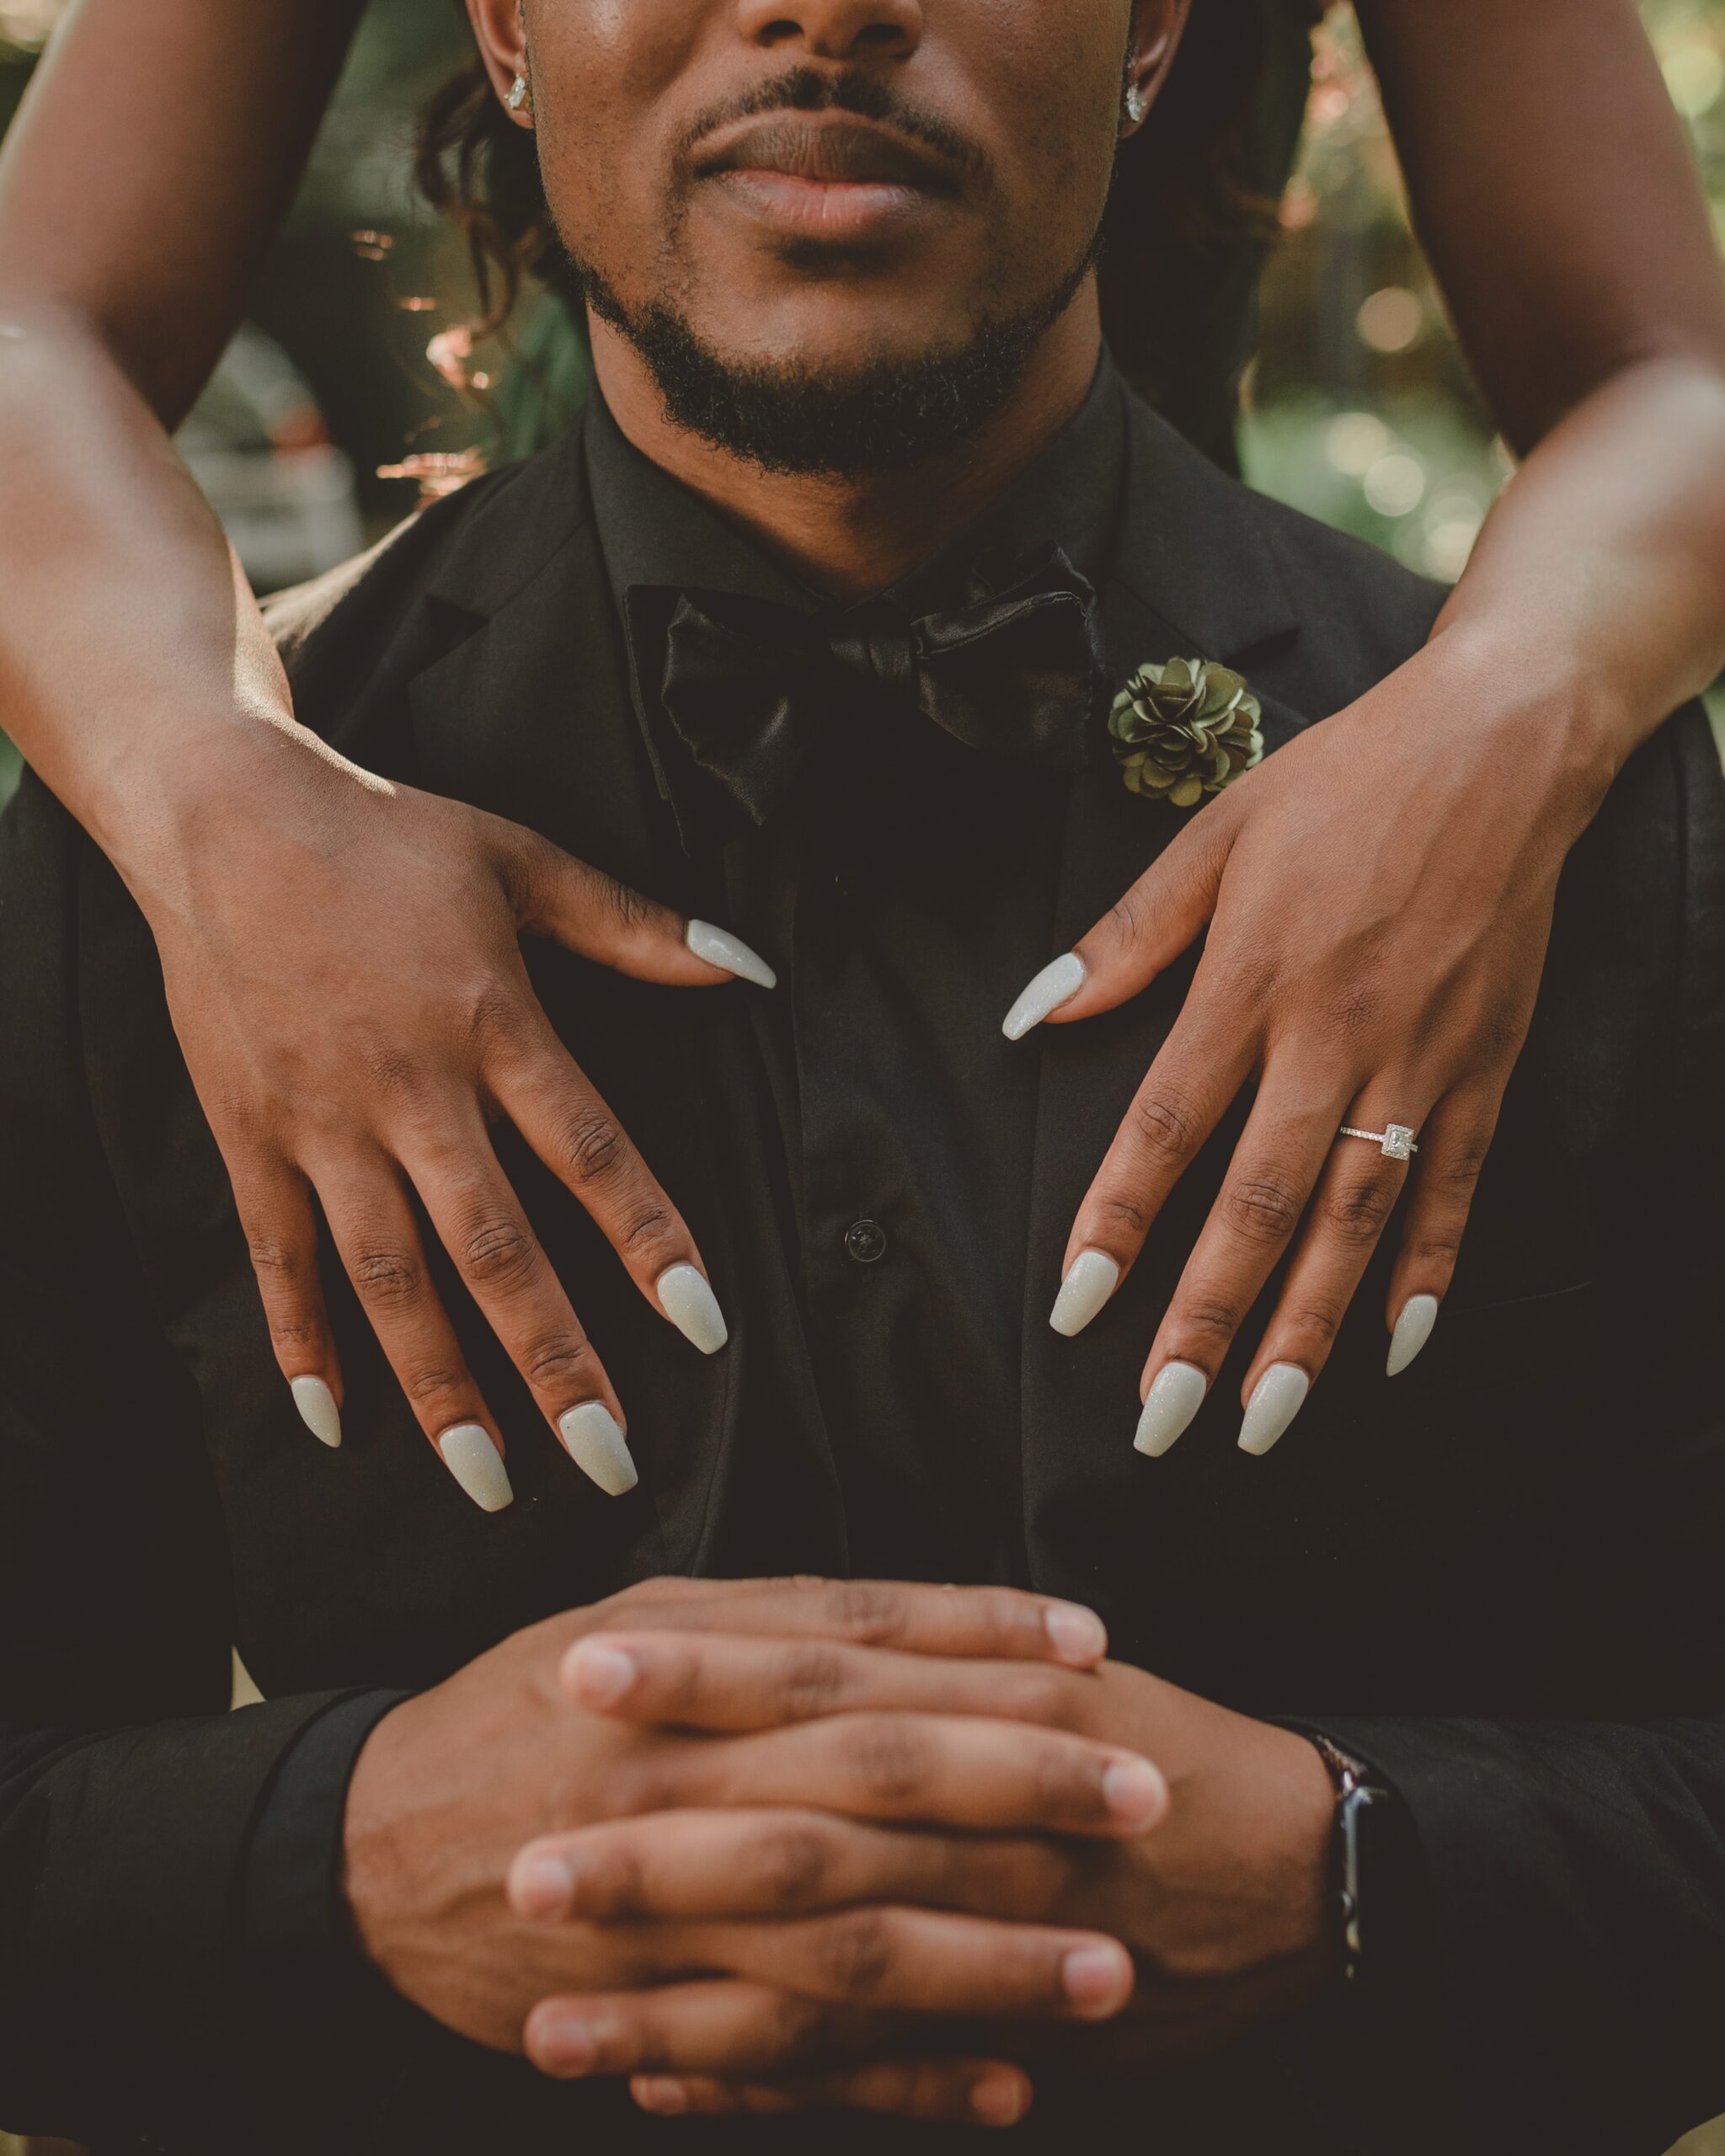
319, 1411
1169, 1406
592, 1439
658, 2092
1097, 1979
1276, 1399
689, 1302
541, 1885
1135, 1792
477, 1464
1077, 1636
1085, 1291
1413, 1328
568, 2043
717, 947
1054, 986
600, 1675
1001, 2099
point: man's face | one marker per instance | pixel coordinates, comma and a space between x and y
827, 192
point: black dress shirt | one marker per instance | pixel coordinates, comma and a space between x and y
895, 897
1492, 1581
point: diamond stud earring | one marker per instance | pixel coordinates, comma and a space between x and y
1137, 105
517, 93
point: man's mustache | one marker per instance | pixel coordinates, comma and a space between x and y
857, 91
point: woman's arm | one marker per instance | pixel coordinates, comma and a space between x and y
122, 276
137, 676
1384, 886
1556, 197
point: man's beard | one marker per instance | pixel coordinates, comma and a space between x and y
883, 415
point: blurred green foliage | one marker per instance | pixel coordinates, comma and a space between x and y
1360, 409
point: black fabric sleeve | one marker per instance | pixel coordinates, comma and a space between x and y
1575, 1990
129, 1795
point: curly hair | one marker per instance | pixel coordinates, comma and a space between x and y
1189, 193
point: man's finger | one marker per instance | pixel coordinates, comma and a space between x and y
934, 1769
953, 2092
702, 1865
715, 2027
735, 1683
1161, 916
996, 1624
587, 911
913, 1961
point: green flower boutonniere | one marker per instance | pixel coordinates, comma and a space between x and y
1185, 729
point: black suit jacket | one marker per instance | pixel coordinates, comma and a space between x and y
1498, 1579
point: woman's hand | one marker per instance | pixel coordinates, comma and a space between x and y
343, 968
1379, 898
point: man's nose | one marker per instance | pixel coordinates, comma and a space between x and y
835, 29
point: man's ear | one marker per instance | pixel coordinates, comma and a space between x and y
1157, 27
501, 31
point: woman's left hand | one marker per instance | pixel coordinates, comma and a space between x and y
1379, 898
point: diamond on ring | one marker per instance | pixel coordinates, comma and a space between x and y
1396, 1141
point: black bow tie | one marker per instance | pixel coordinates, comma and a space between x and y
1015, 668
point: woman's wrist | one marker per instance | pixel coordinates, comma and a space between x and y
1548, 710
190, 777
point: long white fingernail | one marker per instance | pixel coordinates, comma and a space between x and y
717, 947
477, 1465
592, 1439
319, 1411
692, 1308
1413, 1328
1169, 1406
1276, 1399
1054, 986
1084, 1293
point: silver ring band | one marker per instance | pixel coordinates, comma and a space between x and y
1396, 1141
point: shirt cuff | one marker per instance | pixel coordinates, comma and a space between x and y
293, 1917
313, 2020
1354, 2057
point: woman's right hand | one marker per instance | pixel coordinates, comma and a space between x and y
344, 977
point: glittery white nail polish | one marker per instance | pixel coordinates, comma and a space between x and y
717, 947
1084, 1293
1413, 1328
692, 1308
592, 1439
1169, 1407
1276, 1399
477, 1465
319, 1411
1053, 986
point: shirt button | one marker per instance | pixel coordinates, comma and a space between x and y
865, 1241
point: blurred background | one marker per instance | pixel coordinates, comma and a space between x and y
341, 402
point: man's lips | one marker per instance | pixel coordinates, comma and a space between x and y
835, 177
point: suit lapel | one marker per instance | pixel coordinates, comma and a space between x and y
1194, 578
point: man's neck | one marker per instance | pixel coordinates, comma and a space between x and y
853, 535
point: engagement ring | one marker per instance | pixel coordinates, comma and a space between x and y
1397, 1141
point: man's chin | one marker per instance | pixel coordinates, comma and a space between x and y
843, 385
